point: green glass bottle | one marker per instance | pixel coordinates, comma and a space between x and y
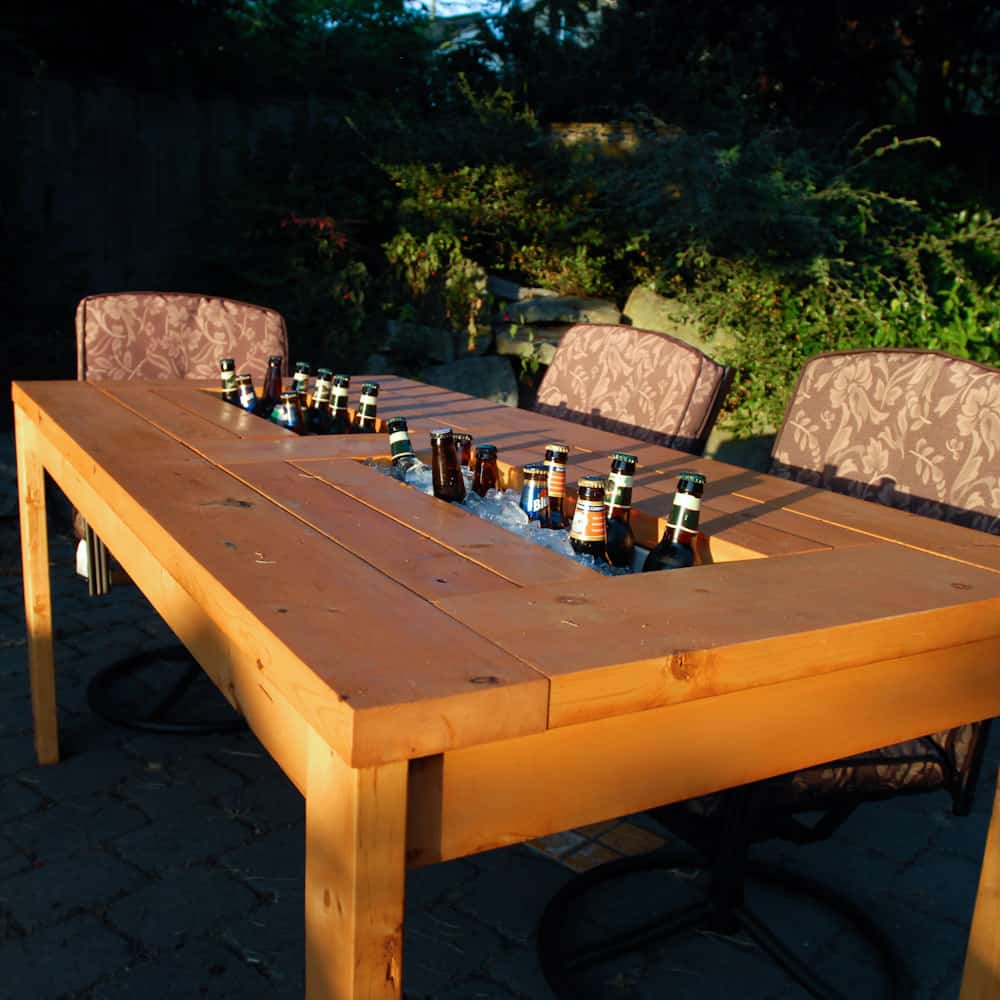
676, 547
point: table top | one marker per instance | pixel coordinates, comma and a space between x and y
401, 626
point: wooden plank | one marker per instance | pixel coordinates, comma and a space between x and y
207, 405
166, 413
294, 449
502, 552
413, 559
37, 596
355, 878
981, 974
631, 643
272, 583
503, 793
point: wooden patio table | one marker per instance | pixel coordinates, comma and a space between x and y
435, 686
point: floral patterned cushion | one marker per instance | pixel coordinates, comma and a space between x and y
918, 430
160, 335
629, 381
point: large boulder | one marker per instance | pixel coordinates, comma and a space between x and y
410, 341
649, 311
561, 309
490, 378
539, 342
511, 291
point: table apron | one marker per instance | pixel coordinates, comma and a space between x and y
479, 798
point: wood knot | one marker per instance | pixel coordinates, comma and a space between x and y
681, 666
571, 599
962, 586
487, 679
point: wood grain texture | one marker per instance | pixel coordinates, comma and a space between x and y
631, 643
37, 595
981, 974
498, 794
355, 878
311, 609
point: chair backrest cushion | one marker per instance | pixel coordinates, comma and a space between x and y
918, 430
161, 335
630, 381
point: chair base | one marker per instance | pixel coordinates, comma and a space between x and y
162, 713
730, 917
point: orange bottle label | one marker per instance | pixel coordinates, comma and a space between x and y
589, 523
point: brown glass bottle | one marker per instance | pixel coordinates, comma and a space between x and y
247, 396
227, 370
318, 416
400, 447
621, 540
364, 415
588, 531
487, 476
271, 392
340, 422
676, 547
445, 470
463, 445
555, 465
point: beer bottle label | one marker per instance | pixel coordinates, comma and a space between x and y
228, 381
685, 511
321, 394
367, 401
618, 483
556, 479
399, 444
340, 393
533, 500
588, 521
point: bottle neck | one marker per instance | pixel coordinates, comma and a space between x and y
399, 445
682, 527
620, 496
338, 399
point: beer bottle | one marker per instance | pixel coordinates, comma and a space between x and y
300, 381
534, 495
588, 532
676, 547
288, 412
271, 393
318, 416
463, 445
339, 421
621, 540
364, 415
555, 465
247, 397
400, 447
445, 470
486, 476
230, 394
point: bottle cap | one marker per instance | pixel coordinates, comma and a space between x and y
486, 451
624, 456
440, 433
557, 449
396, 423
591, 483
370, 387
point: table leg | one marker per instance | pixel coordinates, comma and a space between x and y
355, 877
37, 596
981, 975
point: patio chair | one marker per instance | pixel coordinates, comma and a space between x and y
161, 335
625, 380
915, 429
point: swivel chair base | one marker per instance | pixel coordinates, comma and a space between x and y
722, 911
187, 703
